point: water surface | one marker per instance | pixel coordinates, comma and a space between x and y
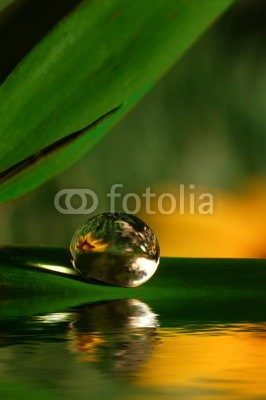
118, 349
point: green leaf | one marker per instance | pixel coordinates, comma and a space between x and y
195, 289
100, 56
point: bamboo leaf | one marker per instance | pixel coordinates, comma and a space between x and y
42, 280
100, 56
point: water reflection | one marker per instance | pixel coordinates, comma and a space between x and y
224, 362
118, 348
119, 335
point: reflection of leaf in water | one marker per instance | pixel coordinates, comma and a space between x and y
121, 339
118, 335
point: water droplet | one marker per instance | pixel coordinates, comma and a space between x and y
115, 248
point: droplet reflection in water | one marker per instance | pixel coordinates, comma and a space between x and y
118, 335
118, 348
115, 248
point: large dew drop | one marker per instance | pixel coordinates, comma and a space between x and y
115, 248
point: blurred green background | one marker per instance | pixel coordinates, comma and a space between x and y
204, 123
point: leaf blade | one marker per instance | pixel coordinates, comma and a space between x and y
211, 289
98, 57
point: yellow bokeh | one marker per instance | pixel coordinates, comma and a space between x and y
237, 227
222, 365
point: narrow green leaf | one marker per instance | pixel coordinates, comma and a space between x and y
195, 289
102, 55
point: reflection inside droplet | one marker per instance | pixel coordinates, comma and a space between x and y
115, 248
54, 318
